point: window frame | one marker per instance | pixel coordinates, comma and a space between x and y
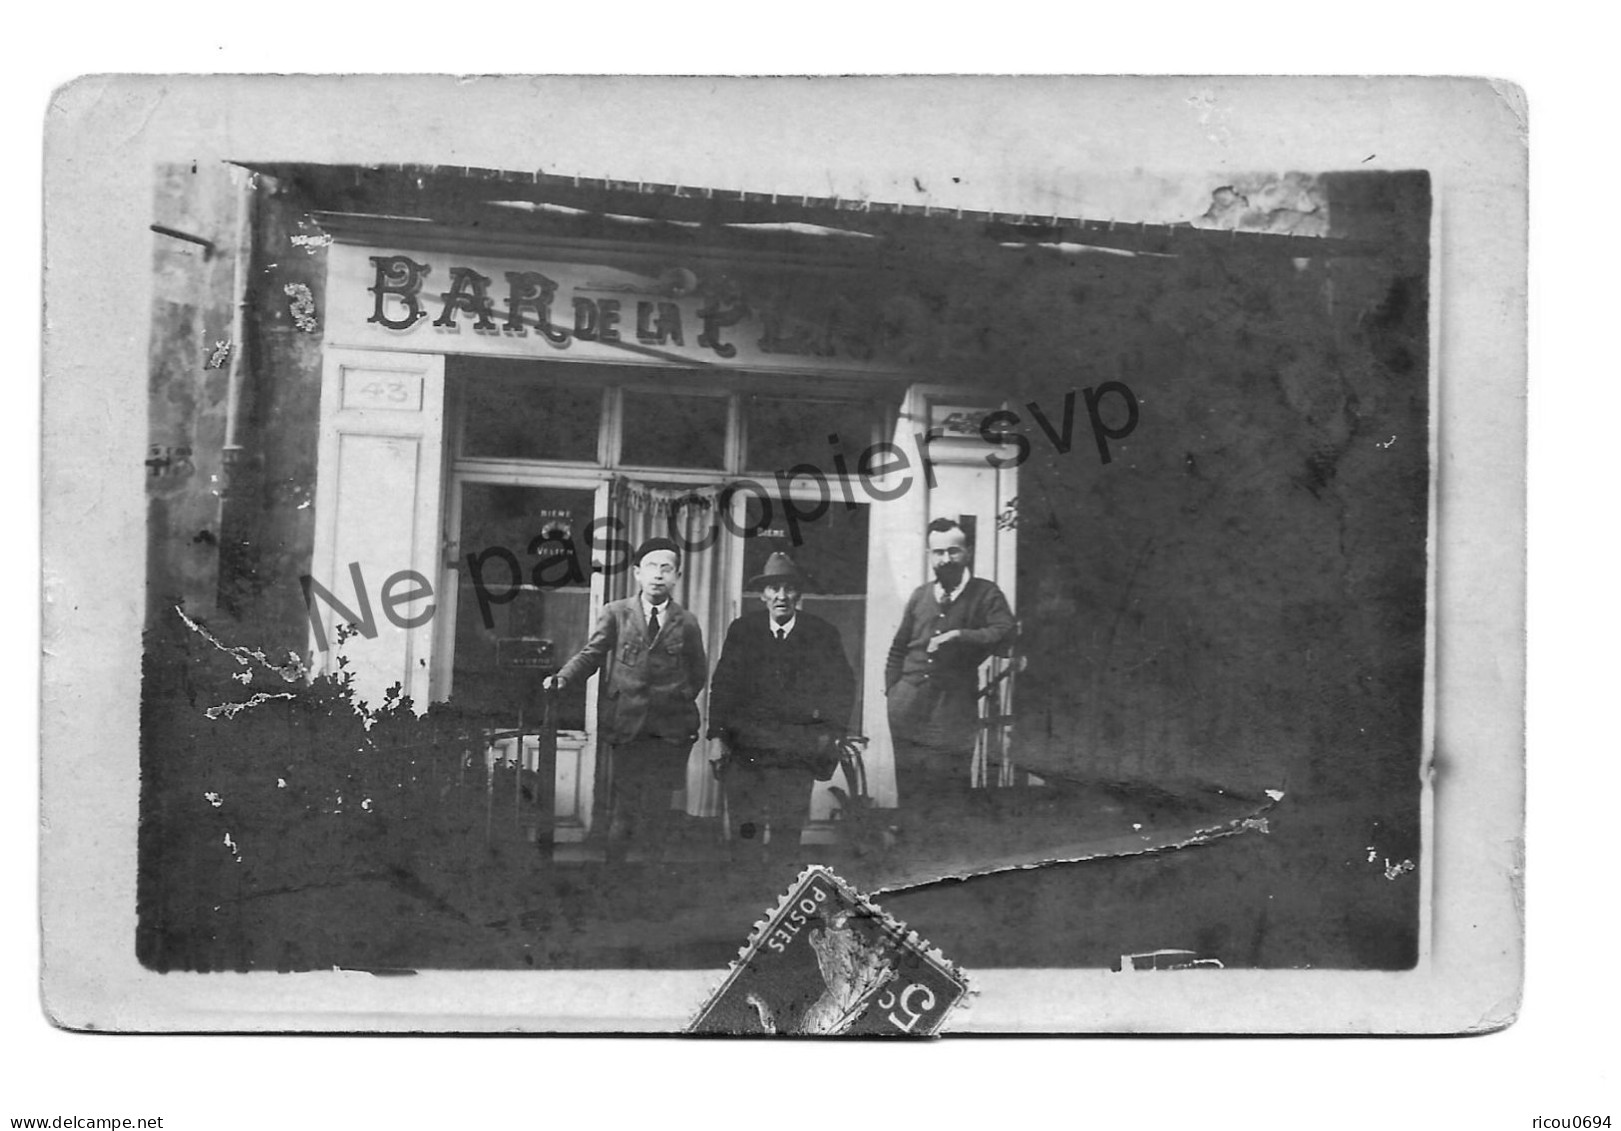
614, 382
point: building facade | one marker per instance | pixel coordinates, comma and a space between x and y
441, 405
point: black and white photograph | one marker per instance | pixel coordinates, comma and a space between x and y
547, 558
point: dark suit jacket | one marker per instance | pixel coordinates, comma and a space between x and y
648, 690
933, 698
774, 698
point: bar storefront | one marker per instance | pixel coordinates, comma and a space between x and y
501, 421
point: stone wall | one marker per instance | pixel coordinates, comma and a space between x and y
229, 537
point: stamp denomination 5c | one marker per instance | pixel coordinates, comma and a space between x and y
829, 962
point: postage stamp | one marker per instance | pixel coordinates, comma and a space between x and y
1051, 541
828, 962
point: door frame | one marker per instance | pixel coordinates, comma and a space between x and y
574, 778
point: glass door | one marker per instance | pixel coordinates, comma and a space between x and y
526, 596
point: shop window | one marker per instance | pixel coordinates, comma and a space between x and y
783, 432
512, 414
674, 430
524, 603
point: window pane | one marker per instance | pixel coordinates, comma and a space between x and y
784, 432
672, 430
830, 549
524, 603
513, 415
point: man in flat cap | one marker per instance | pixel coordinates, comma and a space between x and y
653, 653
782, 697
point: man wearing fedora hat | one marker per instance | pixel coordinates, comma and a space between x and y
652, 653
781, 697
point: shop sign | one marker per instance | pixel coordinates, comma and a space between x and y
665, 314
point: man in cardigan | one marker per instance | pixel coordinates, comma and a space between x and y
948, 629
781, 698
653, 652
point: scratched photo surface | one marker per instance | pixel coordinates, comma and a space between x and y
1103, 544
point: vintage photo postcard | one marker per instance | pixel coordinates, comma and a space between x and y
754, 555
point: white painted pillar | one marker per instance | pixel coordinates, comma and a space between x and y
377, 502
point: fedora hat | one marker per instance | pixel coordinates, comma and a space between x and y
778, 567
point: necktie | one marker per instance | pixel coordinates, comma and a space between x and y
653, 624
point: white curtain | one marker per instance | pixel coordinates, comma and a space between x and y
646, 509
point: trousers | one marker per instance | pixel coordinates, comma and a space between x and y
646, 774
761, 794
929, 776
